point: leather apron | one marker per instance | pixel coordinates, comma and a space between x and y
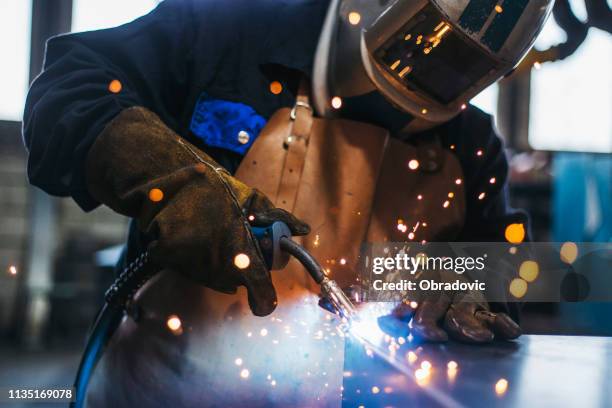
352, 183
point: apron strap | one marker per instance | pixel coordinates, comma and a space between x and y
296, 144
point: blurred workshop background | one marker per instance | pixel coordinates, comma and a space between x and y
554, 111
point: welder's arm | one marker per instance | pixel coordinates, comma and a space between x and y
192, 211
148, 64
488, 214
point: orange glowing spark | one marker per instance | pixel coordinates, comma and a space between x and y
276, 87
395, 64
499, 8
481, 196
156, 195
446, 204
115, 86
515, 233
244, 373
451, 194
405, 71
342, 261
12, 270
424, 111
492, 180
458, 181
413, 164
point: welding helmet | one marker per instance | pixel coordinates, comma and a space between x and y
428, 58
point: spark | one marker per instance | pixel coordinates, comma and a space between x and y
518, 288
242, 261
422, 376
156, 195
336, 102
452, 147
244, 373
411, 235
529, 271
481, 196
238, 361
342, 261
492, 180
407, 37
405, 71
115, 86
463, 107
276, 87
174, 323
452, 365
413, 164
263, 332
375, 390
501, 386
499, 8
569, 252
479, 152
537, 65
251, 217
451, 194
249, 334
273, 383
424, 111
354, 17
420, 197
414, 304
426, 365
395, 64
515, 233
12, 270
316, 241
412, 357
446, 204
458, 181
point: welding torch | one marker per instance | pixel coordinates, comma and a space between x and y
276, 246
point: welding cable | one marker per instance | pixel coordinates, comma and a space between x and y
117, 297
310, 263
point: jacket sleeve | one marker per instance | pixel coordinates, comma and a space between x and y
72, 100
485, 166
488, 212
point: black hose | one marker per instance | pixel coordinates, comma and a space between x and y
118, 296
310, 263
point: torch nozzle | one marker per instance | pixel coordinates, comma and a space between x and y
329, 287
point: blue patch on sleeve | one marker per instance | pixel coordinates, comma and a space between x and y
218, 123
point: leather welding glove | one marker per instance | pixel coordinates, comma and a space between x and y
464, 317
194, 214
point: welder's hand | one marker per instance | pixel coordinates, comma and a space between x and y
464, 317
192, 211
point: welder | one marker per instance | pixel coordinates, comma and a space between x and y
204, 118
